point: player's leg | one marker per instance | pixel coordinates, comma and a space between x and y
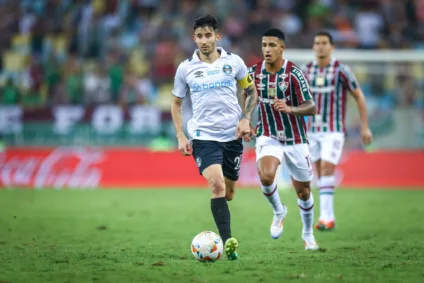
230, 186
233, 152
268, 156
332, 148
231, 244
300, 168
209, 157
315, 157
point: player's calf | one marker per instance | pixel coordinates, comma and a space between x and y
229, 189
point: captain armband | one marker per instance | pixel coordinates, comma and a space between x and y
246, 81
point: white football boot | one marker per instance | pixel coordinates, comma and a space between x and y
277, 224
310, 243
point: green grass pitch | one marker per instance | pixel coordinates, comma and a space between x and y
145, 236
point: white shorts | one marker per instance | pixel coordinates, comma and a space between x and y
296, 157
326, 146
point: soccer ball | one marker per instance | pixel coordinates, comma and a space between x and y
207, 246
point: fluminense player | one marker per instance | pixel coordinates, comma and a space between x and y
284, 100
330, 81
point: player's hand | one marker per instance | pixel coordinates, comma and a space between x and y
366, 136
243, 128
184, 146
281, 106
248, 137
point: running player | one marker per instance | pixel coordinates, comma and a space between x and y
284, 98
330, 81
218, 124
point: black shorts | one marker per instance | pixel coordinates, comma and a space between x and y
228, 154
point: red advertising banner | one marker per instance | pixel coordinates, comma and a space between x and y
79, 167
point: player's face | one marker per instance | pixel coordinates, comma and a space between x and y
205, 39
322, 46
272, 49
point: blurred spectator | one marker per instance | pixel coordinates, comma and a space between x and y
10, 94
135, 91
33, 99
60, 40
97, 86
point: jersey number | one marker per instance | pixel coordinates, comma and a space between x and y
307, 161
237, 161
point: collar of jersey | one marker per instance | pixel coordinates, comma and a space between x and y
220, 49
315, 62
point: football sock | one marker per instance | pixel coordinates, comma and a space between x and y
221, 215
307, 214
273, 197
326, 196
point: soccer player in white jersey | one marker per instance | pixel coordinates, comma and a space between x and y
330, 81
284, 99
218, 124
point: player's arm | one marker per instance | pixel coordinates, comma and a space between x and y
303, 95
359, 97
177, 115
249, 97
307, 108
179, 92
349, 81
249, 103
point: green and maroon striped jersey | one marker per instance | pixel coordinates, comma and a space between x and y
329, 86
289, 84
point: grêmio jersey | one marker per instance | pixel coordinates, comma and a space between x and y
213, 91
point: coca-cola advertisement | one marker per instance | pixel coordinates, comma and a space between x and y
90, 168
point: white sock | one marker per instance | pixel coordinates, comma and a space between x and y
326, 196
273, 197
307, 214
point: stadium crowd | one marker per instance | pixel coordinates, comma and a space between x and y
108, 51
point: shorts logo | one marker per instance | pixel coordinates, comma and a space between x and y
249, 79
198, 161
227, 69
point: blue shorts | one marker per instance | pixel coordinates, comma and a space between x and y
227, 154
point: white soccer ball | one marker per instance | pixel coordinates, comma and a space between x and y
207, 246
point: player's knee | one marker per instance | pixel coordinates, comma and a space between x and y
217, 185
266, 177
327, 169
304, 193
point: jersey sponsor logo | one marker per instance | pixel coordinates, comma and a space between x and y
283, 76
266, 100
227, 69
319, 81
260, 86
212, 85
271, 100
272, 92
260, 76
302, 81
214, 72
198, 74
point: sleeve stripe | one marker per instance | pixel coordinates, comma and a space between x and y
305, 94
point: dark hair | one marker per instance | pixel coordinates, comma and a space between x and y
327, 34
275, 32
206, 21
